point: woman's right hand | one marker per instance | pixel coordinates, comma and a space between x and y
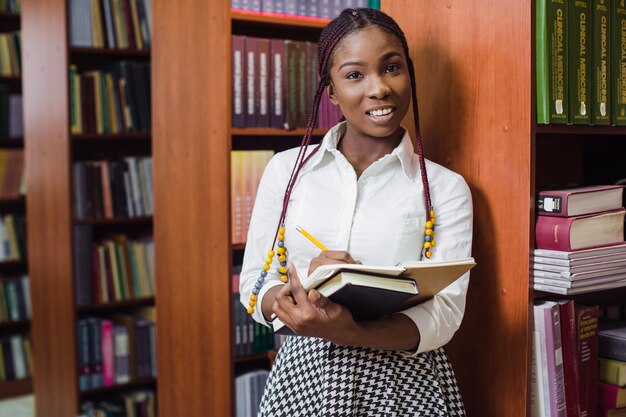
331, 257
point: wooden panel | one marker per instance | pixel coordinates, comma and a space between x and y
46, 120
191, 148
472, 63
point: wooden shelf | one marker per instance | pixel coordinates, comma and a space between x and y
580, 130
12, 79
8, 16
105, 391
274, 132
11, 142
111, 137
239, 247
6, 326
12, 204
279, 20
252, 358
13, 265
77, 51
116, 221
16, 388
115, 306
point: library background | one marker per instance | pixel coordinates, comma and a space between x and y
133, 134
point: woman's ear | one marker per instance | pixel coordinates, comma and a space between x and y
331, 93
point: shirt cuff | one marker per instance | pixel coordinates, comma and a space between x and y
258, 311
426, 327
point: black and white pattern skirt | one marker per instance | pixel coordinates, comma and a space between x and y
315, 378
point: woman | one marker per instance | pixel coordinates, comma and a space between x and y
365, 194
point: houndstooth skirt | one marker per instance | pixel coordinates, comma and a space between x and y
315, 378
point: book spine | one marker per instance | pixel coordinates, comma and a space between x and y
556, 19
251, 93
263, 77
542, 358
108, 353
239, 115
277, 102
552, 203
84, 370
600, 97
552, 233
95, 353
291, 93
612, 372
570, 369
555, 360
587, 358
618, 62
611, 396
267, 6
302, 75
580, 61
612, 347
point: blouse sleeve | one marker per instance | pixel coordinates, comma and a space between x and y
440, 317
263, 224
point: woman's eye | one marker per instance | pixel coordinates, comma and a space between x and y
353, 75
392, 67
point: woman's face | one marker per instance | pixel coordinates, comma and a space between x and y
370, 81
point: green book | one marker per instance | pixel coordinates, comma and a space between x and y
618, 62
551, 61
600, 91
579, 46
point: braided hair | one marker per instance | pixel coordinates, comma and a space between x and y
349, 21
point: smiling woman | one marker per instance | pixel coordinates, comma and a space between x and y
366, 195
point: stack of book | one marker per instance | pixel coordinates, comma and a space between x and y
579, 240
612, 369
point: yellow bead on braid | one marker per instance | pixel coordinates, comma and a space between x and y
281, 254
429, 234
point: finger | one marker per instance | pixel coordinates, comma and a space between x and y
298, 293
317, 299
338, 256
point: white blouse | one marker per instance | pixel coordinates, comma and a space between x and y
378, 218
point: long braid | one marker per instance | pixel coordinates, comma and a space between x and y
350, 20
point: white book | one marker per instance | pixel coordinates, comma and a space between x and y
599, 265
19, 361
581, 290
537, 399
582, 253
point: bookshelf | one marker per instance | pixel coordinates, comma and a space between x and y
12, 84
480, 57
51, 151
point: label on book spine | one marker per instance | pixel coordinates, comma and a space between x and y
580, 61
557, 38
550, 204
618, 62
600, 113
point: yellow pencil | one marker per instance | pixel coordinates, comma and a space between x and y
311, 238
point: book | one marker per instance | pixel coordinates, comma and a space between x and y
571, 270
579, 78
580, 256
618, 62
587, 357
579, 201
579, 232
612, 340
612, 371
580, 289
611, 396
600, 70
571, 378
371, 291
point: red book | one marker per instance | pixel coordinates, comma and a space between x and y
611, 396
251, 65
263, 83
572, 233
579, 201
587, 358
108, 353
239, 85
277, 83
570, 368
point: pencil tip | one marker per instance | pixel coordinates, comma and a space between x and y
298, 228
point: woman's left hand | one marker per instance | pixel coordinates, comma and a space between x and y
312, 314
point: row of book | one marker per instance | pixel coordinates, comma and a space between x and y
246, 171
16, 359
131, 404
274, 83
578, 361
14, 298
115, 99
249, 389
116, 350
12, 179
581, 68
10, 55
326, 9
108, 189
579, 240
250, 337
11, 114
121, 24
10, 6
114, 268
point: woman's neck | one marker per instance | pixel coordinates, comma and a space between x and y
361, 151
